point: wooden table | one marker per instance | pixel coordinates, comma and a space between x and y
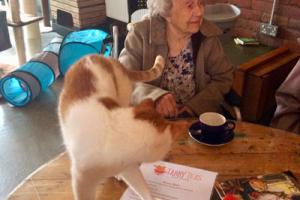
255, 150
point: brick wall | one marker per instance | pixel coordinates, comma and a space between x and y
286, 16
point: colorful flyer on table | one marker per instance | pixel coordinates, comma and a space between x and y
281, 186
169, 181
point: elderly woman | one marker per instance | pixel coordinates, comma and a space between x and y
197, 73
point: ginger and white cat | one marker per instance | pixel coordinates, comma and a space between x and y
103, 134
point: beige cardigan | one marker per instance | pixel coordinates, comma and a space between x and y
287, 114
213, 74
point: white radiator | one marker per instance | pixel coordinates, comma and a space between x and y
117, 9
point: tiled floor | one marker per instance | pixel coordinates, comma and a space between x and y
29, 136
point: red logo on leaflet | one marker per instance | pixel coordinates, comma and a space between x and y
159, 169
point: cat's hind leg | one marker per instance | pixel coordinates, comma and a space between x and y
133, 177
84, 183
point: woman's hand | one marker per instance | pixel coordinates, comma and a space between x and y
185, 111
166, 106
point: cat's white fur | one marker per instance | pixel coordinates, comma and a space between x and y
103, 142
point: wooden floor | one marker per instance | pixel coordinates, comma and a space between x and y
5, 69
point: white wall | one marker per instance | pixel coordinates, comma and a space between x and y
117, 9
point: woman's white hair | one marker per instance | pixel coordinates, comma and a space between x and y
159, 7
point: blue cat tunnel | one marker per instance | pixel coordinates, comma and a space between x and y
48, 58
54, 45
28, 81
80, 43
23, 85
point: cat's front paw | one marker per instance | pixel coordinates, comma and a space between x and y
118, 177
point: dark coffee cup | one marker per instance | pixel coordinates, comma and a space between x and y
215, 125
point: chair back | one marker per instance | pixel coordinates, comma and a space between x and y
134, 5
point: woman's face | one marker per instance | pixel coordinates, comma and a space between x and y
186, 15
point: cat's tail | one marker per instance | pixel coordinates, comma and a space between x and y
150, 74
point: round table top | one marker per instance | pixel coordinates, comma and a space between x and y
255, 150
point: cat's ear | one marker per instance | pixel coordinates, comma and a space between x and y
179, 127
145, 110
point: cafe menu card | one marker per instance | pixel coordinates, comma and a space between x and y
281, 186
169, 181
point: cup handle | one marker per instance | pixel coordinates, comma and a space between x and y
230, 125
